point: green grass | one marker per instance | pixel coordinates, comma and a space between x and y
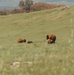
38, 58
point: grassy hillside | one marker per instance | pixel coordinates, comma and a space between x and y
38, 58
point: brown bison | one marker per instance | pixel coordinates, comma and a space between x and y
21, 40
49, 41
51, 37
30, 42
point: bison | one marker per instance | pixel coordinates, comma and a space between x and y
21, 40
30, 42
49, 41
51, 37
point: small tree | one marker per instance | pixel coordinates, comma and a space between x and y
21, 4
28, 4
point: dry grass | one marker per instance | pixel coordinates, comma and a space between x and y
38, 58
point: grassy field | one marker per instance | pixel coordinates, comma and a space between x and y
38, 58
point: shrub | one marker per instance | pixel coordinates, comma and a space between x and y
3, 13
41, 6
14, 11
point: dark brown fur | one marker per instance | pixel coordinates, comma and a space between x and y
21, 40
30, 42
51, 37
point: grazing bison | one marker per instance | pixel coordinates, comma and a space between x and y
30, 42
49, 41
51, 37
21, 40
